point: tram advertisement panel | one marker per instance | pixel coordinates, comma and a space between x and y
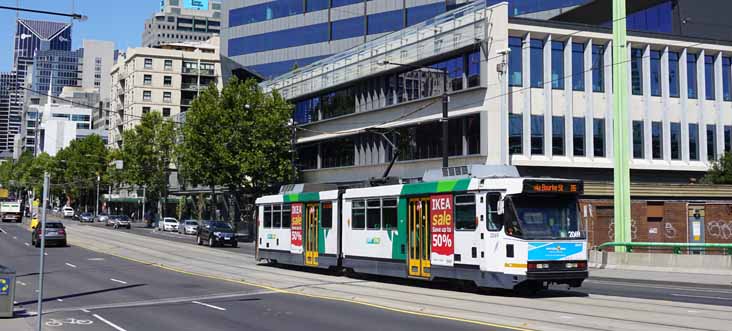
296, 229
442, 229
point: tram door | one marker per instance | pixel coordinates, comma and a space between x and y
311, 235
419, 234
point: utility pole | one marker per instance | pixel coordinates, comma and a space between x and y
42, 237
621, 138
96, 206
293, 141
444, 120
144, 191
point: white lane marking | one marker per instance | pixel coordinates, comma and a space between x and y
84, 310
21, 283
207, 305
115, 326
14, 237
3, 231
27, 244
700, 297
96, 259
60, 300
70, 265
118, 281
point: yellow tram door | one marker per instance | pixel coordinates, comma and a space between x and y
419, 234
311, 235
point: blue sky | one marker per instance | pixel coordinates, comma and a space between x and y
119, 21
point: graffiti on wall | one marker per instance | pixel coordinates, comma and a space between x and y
720, 229
669, 231
633, 230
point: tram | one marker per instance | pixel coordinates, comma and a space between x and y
482, 224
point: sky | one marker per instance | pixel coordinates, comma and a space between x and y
119, 21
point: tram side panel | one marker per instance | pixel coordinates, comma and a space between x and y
276, 234
328, 234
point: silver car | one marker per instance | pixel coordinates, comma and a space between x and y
55, 234
188, 227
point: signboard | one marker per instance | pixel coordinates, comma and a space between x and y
4, 286
553, 251
196, 4
296, 229
442, 227
573, 187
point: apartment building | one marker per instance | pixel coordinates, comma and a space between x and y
182, 21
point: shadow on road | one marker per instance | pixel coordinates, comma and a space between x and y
76, 295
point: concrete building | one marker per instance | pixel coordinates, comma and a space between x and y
98, 59
57, 125
164, 79
182, 21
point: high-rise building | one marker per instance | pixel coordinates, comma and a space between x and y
182, 21
57, 68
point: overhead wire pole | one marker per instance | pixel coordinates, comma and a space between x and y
42, 237
621, 134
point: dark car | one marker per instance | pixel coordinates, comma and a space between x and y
215, 233
86, 217
55, 234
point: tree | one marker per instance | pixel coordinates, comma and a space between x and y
147, 152
77, 167
721, 171
238, 138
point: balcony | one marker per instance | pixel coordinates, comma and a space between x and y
189, 86
186, 102
199, 72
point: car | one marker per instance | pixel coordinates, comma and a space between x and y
55, 234
215, 233
86, 217
120, 221
67, 212
168, 224
188, 227
102, 217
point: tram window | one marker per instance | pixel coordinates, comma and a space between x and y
267, 216
465, 212
277, 216
286, 216
389, 214
494, 222
359, 215
373, 214
326, 215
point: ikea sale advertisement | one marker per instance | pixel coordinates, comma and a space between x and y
442, 229
296, 229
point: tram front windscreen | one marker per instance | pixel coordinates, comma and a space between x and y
544, 217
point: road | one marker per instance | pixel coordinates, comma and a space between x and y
88, 290
718, 295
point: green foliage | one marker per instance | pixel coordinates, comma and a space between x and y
721, 171
238, 138
78, 165
147, 152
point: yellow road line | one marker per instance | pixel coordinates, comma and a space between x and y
316, 296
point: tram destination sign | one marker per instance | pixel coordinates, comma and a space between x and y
442, 228
566, 187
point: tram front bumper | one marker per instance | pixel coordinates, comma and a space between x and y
557, 275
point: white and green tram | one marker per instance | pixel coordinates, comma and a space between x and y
485, 224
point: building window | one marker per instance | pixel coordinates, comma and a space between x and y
636, 70
147, 80
146, 95
168, 65
537, 62
474, 69
599, 137
515, 135
578, 66
148, 63
676, 141
598, 68
515, 64
167, 81
348, 28
557, 65
656, 73
167, 97
465, 213
638, 140
673, 74
578, 132
558, 135
726, 78
693, 141
711, 142
337, 153
385, 21
709, 76
145, 110
691, 76
314, 5
166, 112
728, 139
537, 135
657, 140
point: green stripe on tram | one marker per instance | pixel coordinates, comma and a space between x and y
301, 197
436, 187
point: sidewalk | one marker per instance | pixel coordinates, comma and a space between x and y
680, 278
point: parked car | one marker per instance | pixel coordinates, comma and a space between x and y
168, 224
86, 217
215, 233
102, 217
68, 212
121, 221
188, 227
55, 234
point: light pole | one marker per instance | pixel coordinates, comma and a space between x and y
445, 106
96, 206
42, 235
74, 16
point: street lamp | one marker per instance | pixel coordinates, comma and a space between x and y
445, 104
74, 16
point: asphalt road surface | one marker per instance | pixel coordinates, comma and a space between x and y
86, 290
